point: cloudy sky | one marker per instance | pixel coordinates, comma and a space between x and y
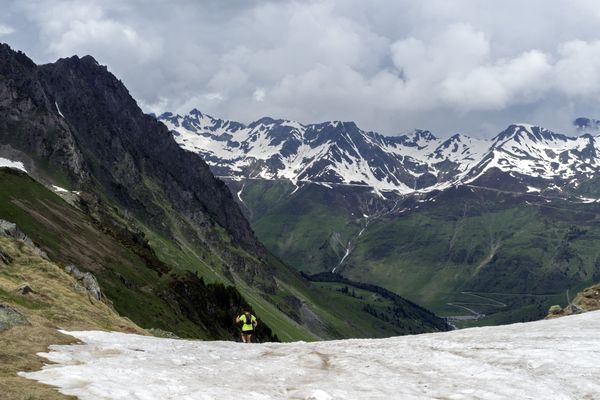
471, 66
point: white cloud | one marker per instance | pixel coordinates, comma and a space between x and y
495, 86
75, 27
577, 73
391, 65
458, 48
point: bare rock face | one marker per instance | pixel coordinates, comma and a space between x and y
25, 123
10, 317
11, 230
86, 281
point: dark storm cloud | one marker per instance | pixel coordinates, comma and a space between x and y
392, 65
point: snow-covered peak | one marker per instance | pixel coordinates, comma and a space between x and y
339, 152
533, 151
525, 133
460, 148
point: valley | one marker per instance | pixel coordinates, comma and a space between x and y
431, 253
513, 218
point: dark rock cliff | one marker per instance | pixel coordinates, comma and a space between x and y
75, 114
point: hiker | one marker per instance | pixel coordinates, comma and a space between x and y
249, 322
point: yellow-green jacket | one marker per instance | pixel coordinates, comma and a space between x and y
248, 325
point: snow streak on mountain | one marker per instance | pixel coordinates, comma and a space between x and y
334, 153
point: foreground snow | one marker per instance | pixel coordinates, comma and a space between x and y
557, 359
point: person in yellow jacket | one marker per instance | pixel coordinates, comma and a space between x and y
249, 323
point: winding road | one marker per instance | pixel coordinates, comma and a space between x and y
475, 315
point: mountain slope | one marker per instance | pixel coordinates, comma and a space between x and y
53, 300
128, 173
520, 250
139, 285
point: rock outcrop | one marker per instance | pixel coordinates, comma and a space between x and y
587, 300
11, 230
10, 317
86, 281
5, 258
24, 290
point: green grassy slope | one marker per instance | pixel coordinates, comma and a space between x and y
530, 254
55, 303
401, 314
170, 284
140, 285
520, 252
309, 228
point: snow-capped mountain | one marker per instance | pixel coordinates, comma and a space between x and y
534, 152
337, 152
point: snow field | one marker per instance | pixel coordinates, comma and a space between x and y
555, 359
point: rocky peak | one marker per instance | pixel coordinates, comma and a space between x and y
419, 134
12, 61
76, 106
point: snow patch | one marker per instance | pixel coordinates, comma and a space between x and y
4, 162
554, 359
58, 109
59, 189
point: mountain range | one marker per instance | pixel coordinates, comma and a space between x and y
340, 153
